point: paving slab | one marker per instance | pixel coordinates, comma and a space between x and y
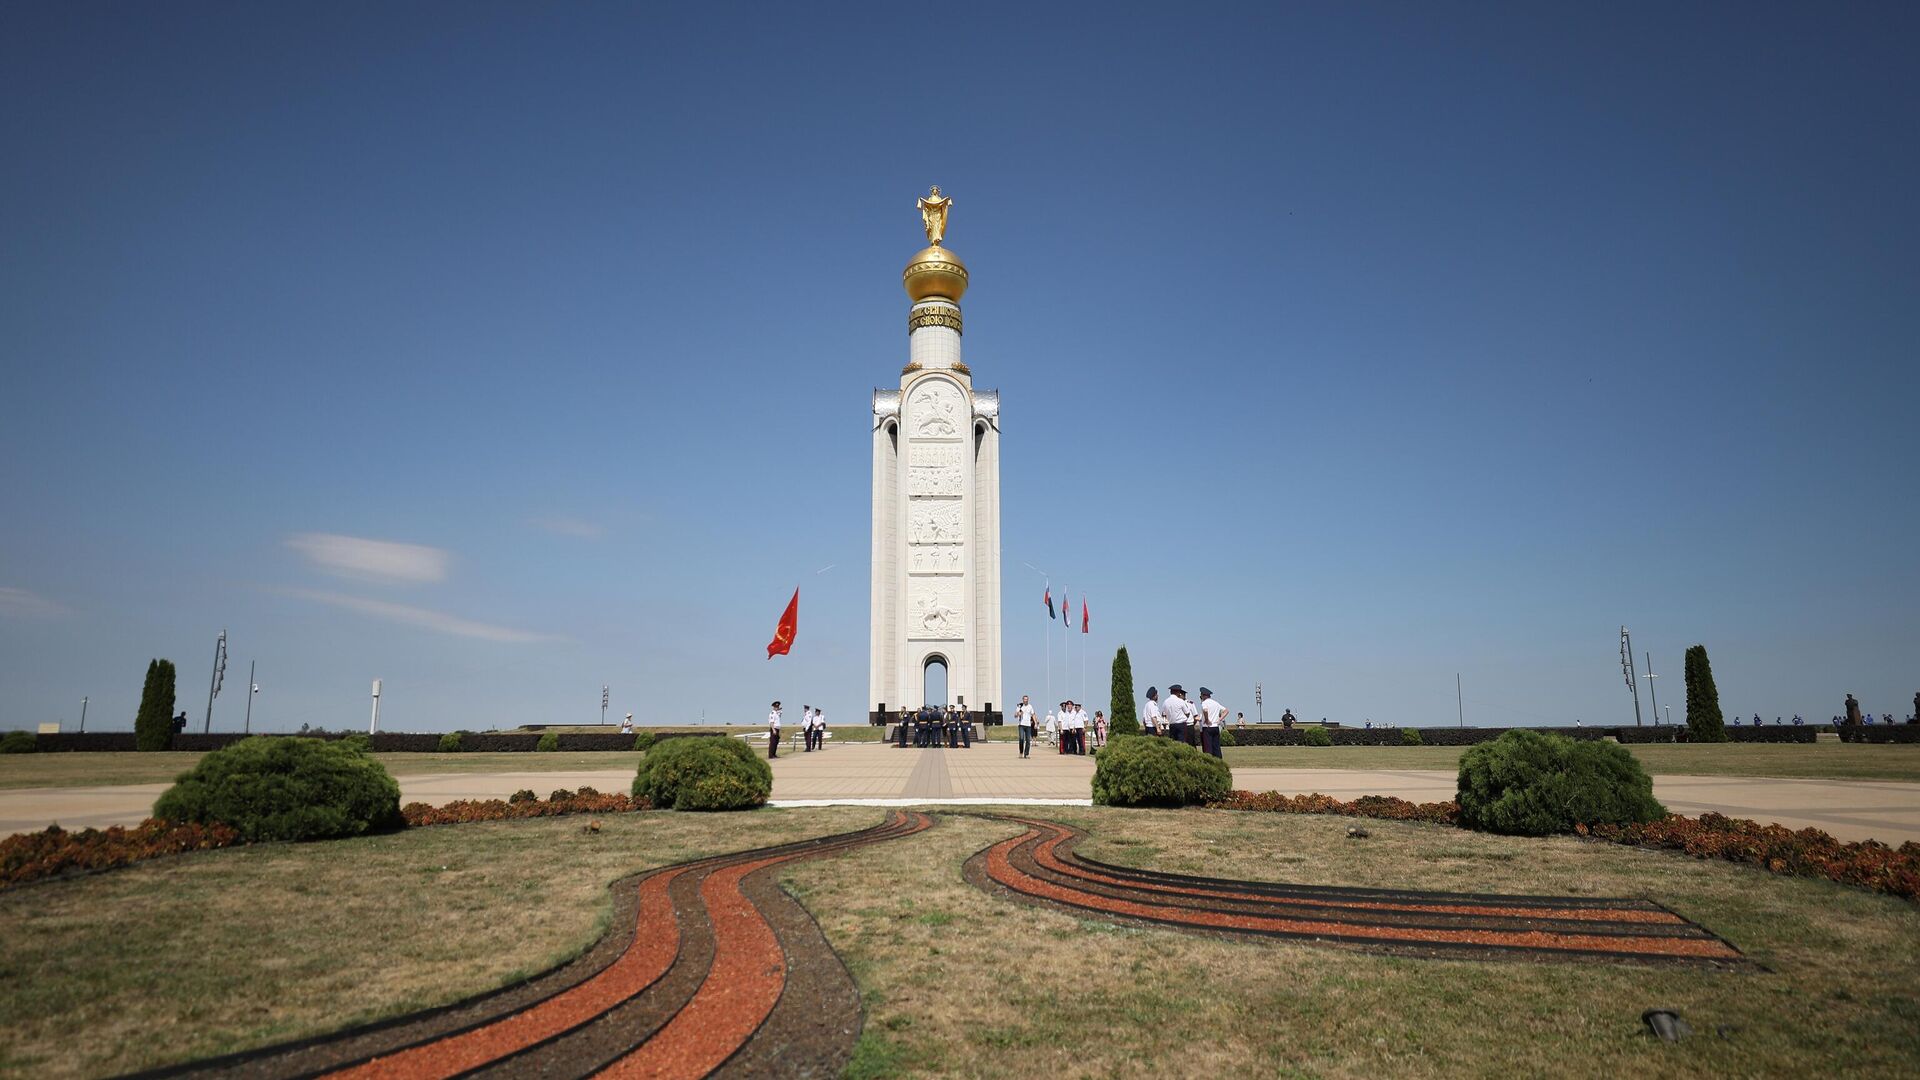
1884, 810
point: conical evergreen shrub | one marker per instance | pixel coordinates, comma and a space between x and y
153, 724
1704, 722
1125, 721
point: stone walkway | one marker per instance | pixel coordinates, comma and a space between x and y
1883, 810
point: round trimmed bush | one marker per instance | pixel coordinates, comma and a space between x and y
1146, 770
1317, 736
450, 743
548, 743
643, 741
1528, 784
18, 742
711, 773
282, 788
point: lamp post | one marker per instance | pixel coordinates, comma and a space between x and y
219, 676
1651, 696
1260, 716
1626, 669
1669, 716
603, 705
83, 716
374, 724
252, 689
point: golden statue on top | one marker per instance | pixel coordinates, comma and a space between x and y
933, 214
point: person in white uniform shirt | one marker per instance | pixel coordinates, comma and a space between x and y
1053, 727
1176, 710
1023, 723
1079, 729
773, 731
1212, 716
1150, 716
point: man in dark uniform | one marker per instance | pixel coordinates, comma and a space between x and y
966, 729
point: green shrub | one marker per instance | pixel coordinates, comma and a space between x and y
586, 792
284, 788
18, 742
1227, 739
1528, 784
523, 795
715, 773
153, 724
450, 743
1142, 770
559, 795
643, 741
1126, 721
362, 743
1704, 721
548, 743
1411, 737
1317, 736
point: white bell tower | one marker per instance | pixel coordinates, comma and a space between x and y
936, 505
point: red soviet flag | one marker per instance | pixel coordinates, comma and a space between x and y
1085, 619
789, 626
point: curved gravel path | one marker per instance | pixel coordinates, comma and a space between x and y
711, 958
1040, 865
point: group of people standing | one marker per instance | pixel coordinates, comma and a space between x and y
1067, 730
1197, 725
813, 729
934, 726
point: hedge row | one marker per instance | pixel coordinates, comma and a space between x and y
1268, 735
1880, 733
384, 742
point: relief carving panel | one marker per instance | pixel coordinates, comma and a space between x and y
944, 559
934, 523
933, 610
937, 412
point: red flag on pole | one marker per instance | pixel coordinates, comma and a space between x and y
1085, 620
789, 626
1049, 601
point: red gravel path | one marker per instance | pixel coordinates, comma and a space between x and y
1040, 864
739, 991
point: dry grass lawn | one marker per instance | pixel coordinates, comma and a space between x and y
214, 952
1818, 761
91, 769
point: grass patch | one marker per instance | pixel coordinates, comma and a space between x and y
1816, 761
111, 770
223, 950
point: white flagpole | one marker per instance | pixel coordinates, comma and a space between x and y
1049, 651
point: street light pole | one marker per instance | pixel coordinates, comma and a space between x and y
1651, 696
1459, 700
83, 716
374, 724
603, 705
1626, 668
219, 674
252, 689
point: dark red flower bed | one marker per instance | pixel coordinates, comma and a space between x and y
1369, 806
1868, 864
585, 801
53, 851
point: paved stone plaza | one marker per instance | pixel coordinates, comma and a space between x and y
1882, 810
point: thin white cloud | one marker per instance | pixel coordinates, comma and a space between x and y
25, 604
372, 560
568, 526
416, 616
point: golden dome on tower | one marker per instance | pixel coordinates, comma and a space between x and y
935, 271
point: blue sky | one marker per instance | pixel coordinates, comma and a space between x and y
503, 351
